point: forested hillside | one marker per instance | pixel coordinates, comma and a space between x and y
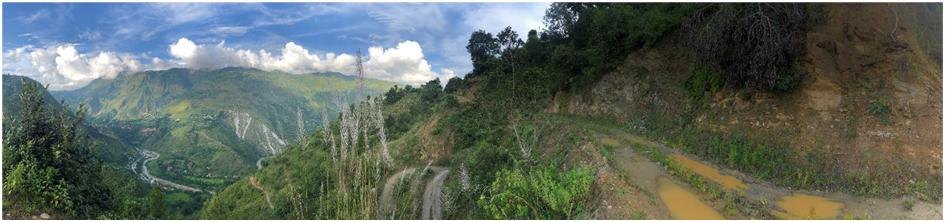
647, 82
211, 127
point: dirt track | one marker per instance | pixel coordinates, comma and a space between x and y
252, 180
432, 204
385, 200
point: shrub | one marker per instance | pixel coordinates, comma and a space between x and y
700, 80
749, 43
789, 80
541, 193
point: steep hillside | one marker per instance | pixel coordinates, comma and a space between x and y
611, 115
11, 87
868, 108
211, 127
114, 151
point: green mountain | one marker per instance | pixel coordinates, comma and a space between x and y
12, 85
212, 126
112, 149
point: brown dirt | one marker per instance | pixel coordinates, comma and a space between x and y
641, 174
426, 130
853, 47
385, 202
432, 202
469, 94
252, 180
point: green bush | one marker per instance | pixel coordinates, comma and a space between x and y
699, 81
540, 193
789, 79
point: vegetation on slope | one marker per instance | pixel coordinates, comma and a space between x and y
190, 116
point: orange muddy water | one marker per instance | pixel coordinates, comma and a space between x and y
682, 204
800, 206
708, 172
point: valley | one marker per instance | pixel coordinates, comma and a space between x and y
611, 111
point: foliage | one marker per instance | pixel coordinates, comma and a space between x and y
188, 115
878, 107
589, 40
789, 79
48, 160
393, 95
700, 81
877, 100
431, 91
749, 43
156, 202
454, 84
541, 192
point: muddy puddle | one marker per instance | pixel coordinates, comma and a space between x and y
800, 207
677, 202
729, 182
682, 204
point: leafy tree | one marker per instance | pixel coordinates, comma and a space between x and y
156, 200
482, 47
48, 160
393, 95
453, 84
431, 91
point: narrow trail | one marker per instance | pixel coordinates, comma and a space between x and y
252, 180
432, 204
151, 155
644, 173
386, 196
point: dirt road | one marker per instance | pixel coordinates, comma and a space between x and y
252, 180
644, 173
432, 204
386, 196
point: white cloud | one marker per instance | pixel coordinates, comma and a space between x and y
404, 63
64, 68
178, 12
90, 35
160, 64
230, 30
43, 13
411, 17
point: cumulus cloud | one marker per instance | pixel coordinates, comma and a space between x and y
64, 68
404, 63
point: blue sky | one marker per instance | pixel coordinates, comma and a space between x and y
70, 44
